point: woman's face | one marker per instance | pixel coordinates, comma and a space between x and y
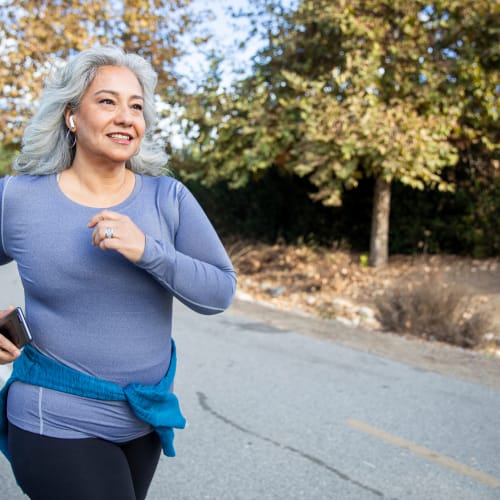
110, 121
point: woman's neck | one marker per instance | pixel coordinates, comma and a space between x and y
97, 188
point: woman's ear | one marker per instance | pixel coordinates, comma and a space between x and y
70, 121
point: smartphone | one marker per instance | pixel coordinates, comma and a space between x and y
14, 327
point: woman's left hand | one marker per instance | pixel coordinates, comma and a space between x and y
114, 231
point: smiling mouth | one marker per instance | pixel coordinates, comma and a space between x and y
122, 137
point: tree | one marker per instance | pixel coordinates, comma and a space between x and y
38, 35
6, 158
351, 89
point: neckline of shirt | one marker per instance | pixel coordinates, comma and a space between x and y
54, 181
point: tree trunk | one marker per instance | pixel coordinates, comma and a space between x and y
379, 237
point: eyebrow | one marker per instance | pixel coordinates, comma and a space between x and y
105, 91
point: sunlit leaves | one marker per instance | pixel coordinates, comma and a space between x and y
381, 88
38, 35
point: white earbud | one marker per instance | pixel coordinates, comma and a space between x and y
71, 121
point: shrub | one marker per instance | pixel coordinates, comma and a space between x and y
433, 311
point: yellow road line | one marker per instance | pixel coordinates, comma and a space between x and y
422, 451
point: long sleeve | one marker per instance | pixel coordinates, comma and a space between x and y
194, 266
4, 258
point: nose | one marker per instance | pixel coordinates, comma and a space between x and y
123, 116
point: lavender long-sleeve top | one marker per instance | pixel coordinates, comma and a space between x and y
96, 311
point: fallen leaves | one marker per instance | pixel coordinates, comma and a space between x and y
335, 283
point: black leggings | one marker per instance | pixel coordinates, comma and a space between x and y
82, 469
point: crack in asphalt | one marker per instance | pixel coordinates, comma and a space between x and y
203, 401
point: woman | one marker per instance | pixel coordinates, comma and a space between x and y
103, 243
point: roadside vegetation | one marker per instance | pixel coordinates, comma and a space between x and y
442, 298
434, 311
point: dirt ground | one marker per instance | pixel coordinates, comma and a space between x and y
333, 283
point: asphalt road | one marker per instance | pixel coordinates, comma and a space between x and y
277, 414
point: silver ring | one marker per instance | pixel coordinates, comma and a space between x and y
109, 232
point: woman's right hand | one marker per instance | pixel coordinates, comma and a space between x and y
8, 351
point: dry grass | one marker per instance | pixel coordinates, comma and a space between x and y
440, 297
433, 311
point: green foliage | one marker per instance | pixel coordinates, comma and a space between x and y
430, 222
6, 157
274, 208
340, 94
279, 208
344, 91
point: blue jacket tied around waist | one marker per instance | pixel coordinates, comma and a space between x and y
154, 404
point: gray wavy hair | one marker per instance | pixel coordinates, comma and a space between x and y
49, 147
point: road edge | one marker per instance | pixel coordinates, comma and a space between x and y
470, 366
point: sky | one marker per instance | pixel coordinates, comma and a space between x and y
227, 33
